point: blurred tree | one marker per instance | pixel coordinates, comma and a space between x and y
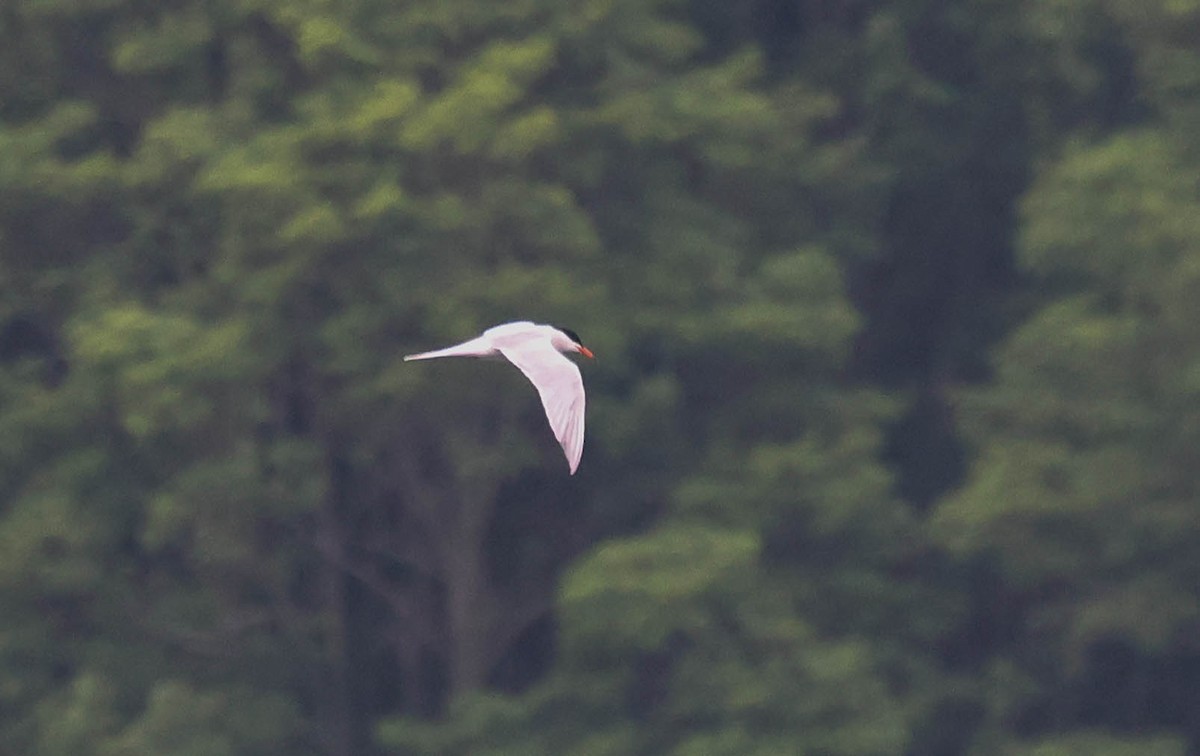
1083, 493
959, 100
233, 522
677, 659
282, 196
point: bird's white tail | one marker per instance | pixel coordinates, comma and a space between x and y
472, 348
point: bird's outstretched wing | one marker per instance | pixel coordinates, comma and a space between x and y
560, 386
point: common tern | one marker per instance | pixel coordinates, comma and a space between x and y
537, 351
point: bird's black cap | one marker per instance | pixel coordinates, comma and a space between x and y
573, 336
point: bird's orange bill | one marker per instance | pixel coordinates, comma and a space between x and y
587, 353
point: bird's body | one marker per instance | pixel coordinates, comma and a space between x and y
537, 351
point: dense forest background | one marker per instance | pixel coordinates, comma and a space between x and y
894, 430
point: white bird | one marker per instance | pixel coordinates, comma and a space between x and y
537, 351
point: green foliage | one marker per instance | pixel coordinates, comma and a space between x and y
631, 586
177, 720
1082, 492
892, 429
1100, 744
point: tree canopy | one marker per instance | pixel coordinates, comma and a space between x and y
892, 434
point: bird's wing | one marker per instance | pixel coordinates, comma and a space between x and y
560, 386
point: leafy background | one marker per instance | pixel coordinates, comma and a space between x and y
894, 428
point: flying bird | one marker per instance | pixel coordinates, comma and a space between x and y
537, 351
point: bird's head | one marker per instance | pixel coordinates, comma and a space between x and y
573, 343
